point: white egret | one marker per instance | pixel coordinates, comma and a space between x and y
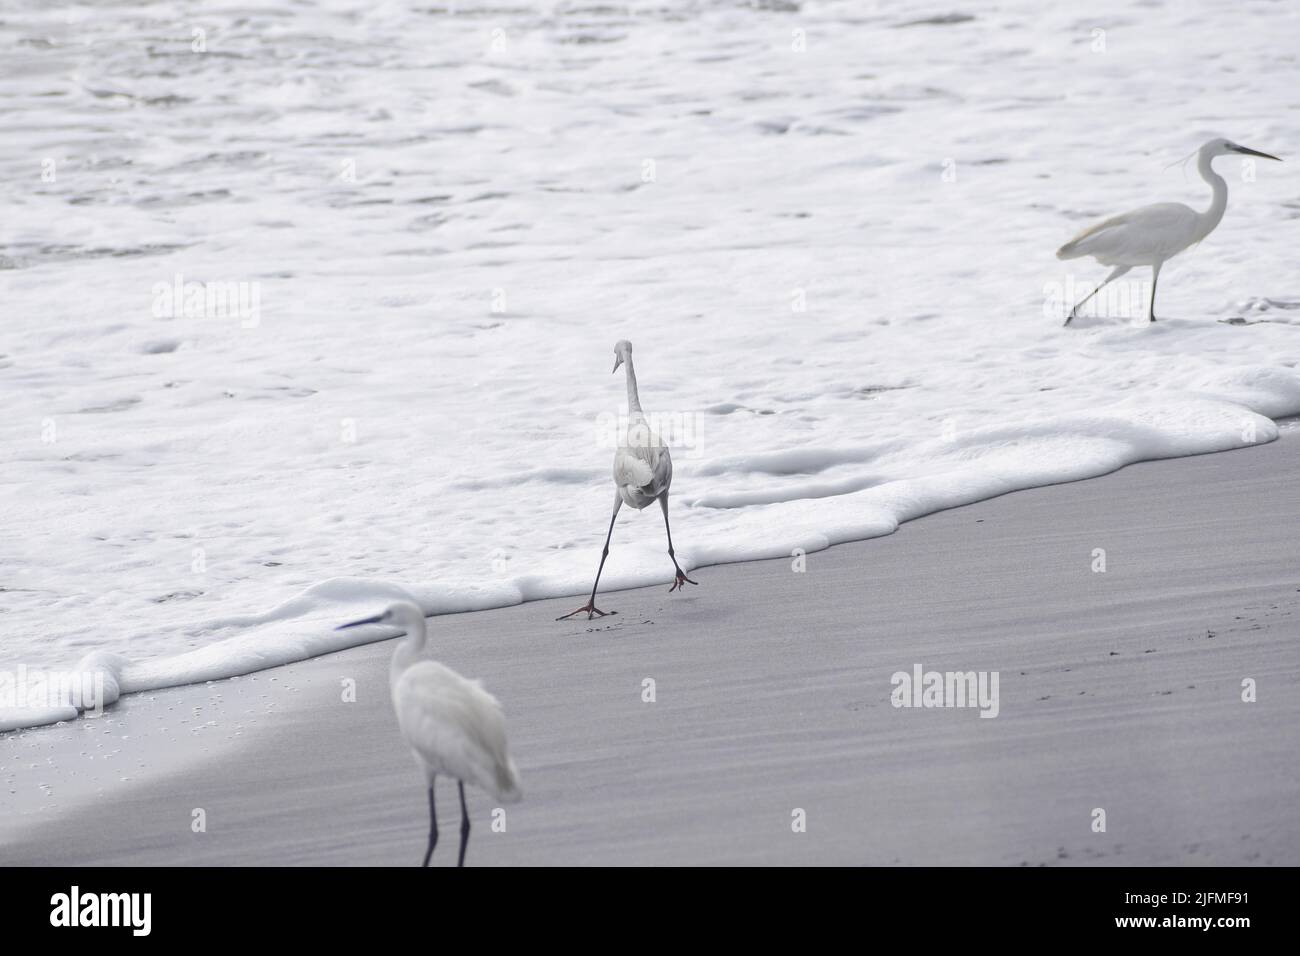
452, 725
1152, 235
643, 471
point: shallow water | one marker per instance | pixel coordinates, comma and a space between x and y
835, 262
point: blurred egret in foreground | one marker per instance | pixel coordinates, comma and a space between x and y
452, 725
643, 470
1154, 234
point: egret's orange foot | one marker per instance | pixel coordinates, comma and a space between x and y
681, 579
590, 608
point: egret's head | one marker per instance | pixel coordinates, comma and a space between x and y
1223, 147
403, 614
622, 352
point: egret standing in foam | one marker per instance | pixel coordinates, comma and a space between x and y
1152, 235
643, 471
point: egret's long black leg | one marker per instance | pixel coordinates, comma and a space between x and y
1155, 277
1115, 274
433, 829
590, 606
681, 578
464, 823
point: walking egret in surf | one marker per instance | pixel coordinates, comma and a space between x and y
1152, 235
452, 725
643, 470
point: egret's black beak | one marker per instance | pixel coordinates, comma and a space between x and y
617, 362
1254, 152
369, 620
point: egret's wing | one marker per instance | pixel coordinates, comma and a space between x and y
662, 466
1160, 229
456, 727
643, 462
632, 469
1075, 247
648, 469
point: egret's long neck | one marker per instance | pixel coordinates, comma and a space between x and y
633, 399
1210, 218
409, 650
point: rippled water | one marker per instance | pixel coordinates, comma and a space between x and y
828, 229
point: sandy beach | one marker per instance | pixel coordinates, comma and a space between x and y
1119, 690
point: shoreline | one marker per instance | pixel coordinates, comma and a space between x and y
301, 627
1118, 690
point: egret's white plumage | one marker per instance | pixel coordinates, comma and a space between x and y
1142, 237
453, 726
643, 466
643, 473
1153, 234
